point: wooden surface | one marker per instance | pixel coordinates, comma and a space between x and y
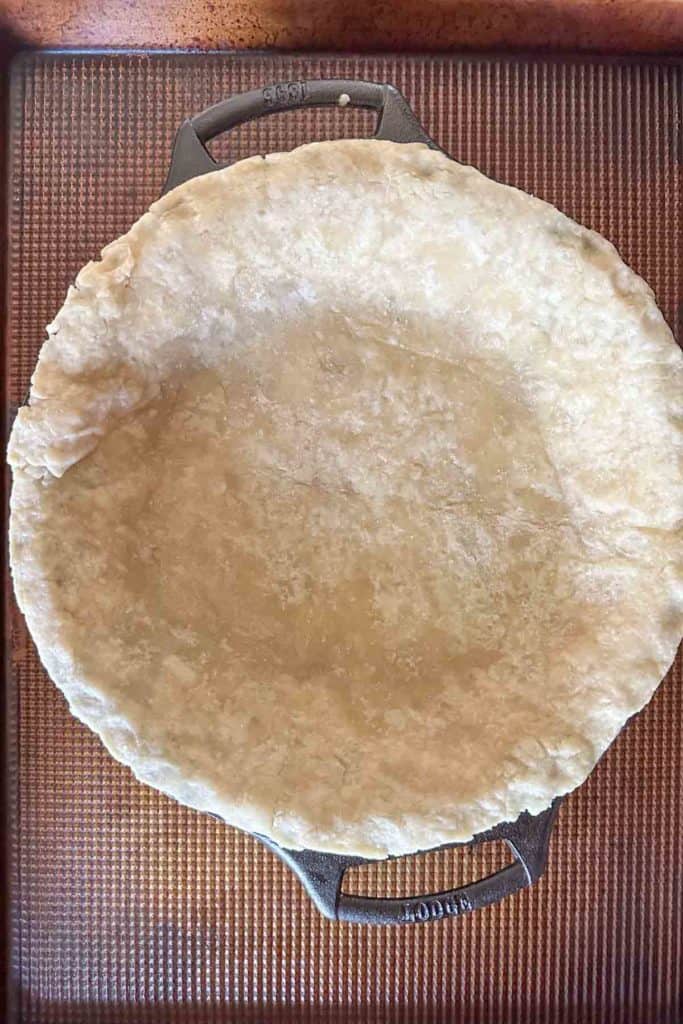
608, 25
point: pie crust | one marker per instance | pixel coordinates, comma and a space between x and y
347, 503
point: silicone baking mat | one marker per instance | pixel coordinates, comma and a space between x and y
125, 906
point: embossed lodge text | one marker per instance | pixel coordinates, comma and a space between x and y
432, 910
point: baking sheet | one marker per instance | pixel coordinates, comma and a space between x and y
124, 906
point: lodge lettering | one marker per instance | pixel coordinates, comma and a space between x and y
432, 910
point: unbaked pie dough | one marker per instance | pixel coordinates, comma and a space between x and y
347, 503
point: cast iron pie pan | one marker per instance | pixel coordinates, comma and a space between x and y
322, 873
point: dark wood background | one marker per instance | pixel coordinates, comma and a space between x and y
353, 25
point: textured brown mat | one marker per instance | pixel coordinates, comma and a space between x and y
127, 907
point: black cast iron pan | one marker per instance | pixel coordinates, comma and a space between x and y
322, 873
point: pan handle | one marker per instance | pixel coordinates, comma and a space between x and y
322, 875
396, 121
